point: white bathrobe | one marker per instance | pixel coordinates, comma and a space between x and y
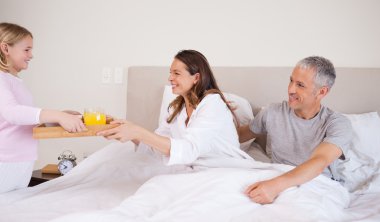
210, 134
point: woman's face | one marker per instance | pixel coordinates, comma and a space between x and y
180, 79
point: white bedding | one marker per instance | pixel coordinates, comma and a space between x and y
117, 184
217, 195
101, 181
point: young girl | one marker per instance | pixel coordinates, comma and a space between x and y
18, 150
199, 123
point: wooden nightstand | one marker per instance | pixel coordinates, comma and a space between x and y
39, 177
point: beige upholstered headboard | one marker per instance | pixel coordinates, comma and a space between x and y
356, 90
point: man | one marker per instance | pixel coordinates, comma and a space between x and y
301, 132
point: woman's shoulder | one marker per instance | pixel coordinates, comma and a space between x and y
213, 98
211, 102
212, 105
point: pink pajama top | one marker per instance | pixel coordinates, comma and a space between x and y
17, 119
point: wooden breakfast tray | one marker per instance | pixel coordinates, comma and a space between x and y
44, 131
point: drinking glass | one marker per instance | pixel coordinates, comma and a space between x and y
94, 116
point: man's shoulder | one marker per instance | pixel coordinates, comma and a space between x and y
274, 111
330, 113
334, 117
278, 107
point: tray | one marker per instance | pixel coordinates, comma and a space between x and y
45, 131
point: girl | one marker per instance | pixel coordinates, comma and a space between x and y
18, 150
200, 123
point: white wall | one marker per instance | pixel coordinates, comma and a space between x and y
74, 40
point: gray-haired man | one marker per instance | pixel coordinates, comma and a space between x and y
301, 131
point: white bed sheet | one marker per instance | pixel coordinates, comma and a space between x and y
101, 181
115, 183
217, 195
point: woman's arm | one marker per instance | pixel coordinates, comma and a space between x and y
130, 131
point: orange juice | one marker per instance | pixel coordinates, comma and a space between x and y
94, 118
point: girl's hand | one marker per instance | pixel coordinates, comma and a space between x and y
72, 112
72, 123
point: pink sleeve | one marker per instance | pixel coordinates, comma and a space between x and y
13, 112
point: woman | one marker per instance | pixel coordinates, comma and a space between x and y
200, 123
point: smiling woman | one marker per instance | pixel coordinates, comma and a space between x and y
199, 122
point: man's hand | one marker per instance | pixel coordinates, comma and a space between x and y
263, 192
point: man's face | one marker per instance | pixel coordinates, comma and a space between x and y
302, 91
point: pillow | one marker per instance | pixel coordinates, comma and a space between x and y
167, 98
243, 112
243, 109
363, 158
366, 129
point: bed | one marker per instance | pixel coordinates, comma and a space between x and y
119, 184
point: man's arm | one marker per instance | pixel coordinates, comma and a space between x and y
245, 134
265, 192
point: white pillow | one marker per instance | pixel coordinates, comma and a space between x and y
363, 158
243, 109
243, 112
167, 98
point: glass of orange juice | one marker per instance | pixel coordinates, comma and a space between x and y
94, 116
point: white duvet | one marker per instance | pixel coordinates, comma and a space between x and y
101, 181
117, 184
217, 195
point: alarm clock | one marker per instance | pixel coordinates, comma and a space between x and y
67, 161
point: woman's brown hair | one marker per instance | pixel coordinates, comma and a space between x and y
197, 63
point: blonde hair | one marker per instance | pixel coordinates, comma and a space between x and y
10, 34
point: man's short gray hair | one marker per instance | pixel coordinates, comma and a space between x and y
324, 70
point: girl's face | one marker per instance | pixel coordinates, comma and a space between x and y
180, 79
19, 55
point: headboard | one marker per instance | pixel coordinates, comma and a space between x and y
356, 90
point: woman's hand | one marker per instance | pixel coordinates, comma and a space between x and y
125, 132
130, 131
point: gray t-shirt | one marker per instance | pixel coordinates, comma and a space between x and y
291, 140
